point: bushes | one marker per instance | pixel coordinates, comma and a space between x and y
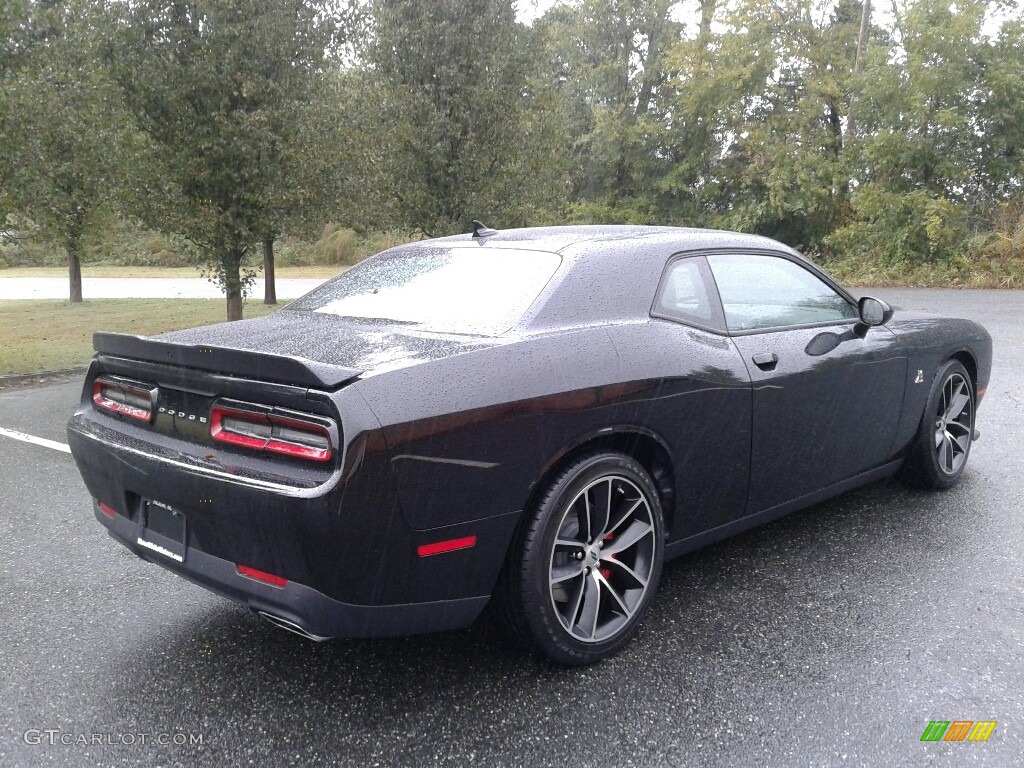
1000, 250
336, 247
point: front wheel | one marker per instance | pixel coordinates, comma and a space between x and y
939, 452
587, 562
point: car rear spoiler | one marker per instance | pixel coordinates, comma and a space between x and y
264, 366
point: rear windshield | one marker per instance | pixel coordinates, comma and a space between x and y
483, 291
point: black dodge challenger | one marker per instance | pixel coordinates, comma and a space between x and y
533, 418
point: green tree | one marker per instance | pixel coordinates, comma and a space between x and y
61, 125
940, 139
220, 89
610, 60
461, 122
758, 137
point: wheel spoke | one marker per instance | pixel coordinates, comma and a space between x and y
600, 496
625, 569
569, 618
585, 520
636, 531
612, 529
608, 507
611, 591
957, 425
949, 453
568, 543
939, 437
570, 570
960, 401
591, 603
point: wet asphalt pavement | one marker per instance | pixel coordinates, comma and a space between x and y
829, 638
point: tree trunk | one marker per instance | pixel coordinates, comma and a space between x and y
269, 288
74, 269
652, 62
707, 15
858, 64
232, 262
234, 304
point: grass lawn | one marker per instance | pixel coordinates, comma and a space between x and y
47, 335
321, 272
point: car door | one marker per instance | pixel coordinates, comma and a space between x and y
827, 390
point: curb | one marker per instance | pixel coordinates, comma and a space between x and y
24, 378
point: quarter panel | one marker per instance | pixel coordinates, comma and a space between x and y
467, 435
470, 438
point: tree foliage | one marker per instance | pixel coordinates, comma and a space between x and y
892, 134
221, 93
465, 131
60, 125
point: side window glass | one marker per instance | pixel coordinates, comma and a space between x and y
685, 295
773, 292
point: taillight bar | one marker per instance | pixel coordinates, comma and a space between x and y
287, 435
132, 399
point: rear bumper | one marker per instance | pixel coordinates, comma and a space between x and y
309, 611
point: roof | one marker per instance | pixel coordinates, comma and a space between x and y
609, 273
562, 239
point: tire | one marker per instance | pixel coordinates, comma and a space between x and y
586, 562
938, 454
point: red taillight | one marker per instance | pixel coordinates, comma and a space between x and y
271, 432
266, 578
439, 547
107, 510
132, 400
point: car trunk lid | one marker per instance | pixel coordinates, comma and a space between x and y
299, 348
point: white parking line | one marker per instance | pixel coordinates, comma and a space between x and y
34, 440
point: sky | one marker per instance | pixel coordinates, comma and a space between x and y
528, 10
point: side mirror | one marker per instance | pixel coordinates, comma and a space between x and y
874, 311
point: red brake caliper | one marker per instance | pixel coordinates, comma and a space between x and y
607, 572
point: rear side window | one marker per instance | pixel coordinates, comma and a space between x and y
481, 291
772, 292
686, 295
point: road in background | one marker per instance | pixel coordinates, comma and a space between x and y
140, 288
828, 638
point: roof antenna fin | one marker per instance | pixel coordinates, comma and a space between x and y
482, 230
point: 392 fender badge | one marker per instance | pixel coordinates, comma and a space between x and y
920, 377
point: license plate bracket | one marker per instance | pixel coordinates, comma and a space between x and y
162, 530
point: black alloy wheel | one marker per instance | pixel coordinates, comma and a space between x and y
939, 453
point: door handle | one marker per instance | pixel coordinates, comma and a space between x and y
766, 361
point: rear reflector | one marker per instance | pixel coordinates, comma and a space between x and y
271, 432
440, 547
132, 400
107, 510
266, 578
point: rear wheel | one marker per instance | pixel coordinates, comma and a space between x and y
586, 563
943, 442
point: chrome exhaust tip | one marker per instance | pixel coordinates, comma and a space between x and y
290, 626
